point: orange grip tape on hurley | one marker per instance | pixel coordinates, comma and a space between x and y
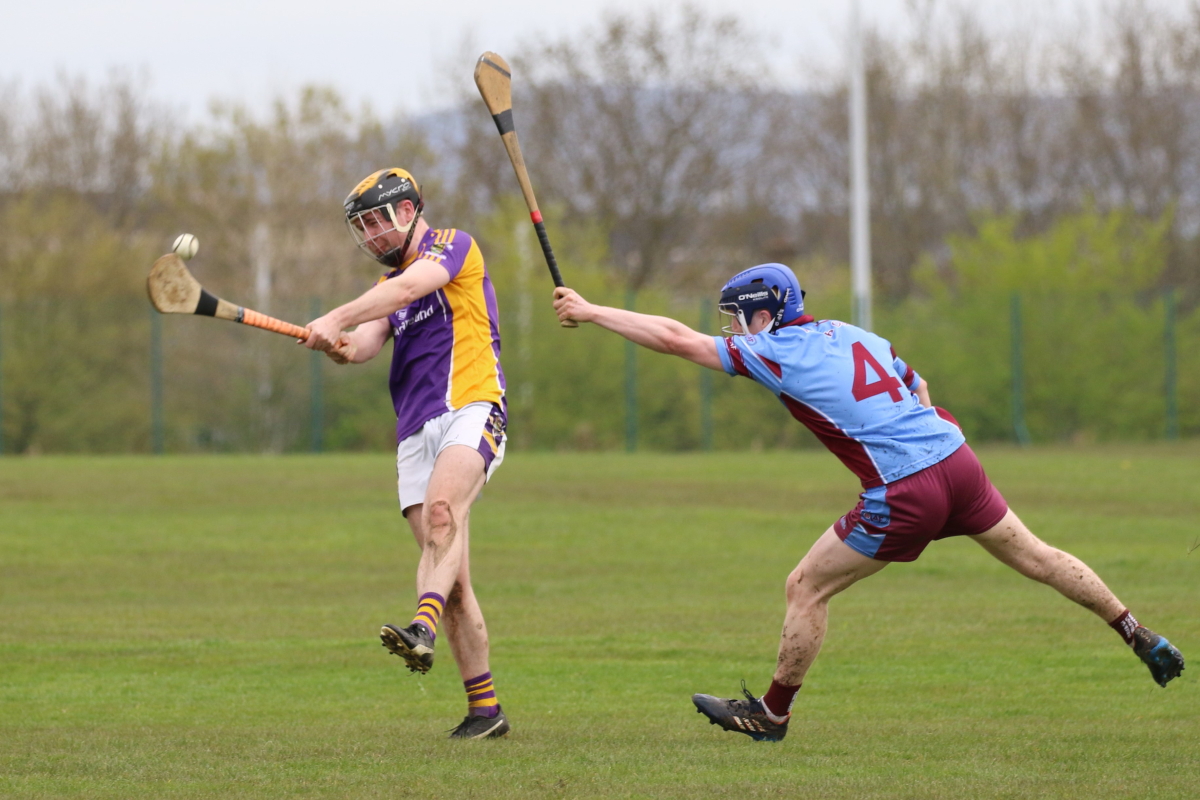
251, 317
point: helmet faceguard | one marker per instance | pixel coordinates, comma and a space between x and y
371, 214
769, 287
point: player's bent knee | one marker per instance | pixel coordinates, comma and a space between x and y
1015, 545
439, 523
802, 588
440, 514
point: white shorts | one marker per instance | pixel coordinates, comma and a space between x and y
479, 426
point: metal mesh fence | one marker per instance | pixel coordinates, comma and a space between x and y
82, 375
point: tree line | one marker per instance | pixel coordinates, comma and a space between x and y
667, 157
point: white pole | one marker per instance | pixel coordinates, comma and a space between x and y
262, 257
860, 201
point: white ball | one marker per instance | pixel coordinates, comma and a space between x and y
186, 246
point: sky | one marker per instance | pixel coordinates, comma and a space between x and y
396, 54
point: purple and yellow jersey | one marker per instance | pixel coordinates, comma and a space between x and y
851, 390
446, 350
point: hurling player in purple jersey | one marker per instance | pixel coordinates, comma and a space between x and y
921, 482
437, 306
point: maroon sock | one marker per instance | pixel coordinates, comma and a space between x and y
779, 698
1125, 625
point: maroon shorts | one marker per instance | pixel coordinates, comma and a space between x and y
895, 522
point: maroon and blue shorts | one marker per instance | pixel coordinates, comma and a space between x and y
896, 521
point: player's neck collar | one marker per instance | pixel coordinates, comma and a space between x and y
803, 320
417, 249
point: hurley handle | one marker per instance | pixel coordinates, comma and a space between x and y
494, 79
251, 317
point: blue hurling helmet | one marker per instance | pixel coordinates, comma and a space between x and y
768, 286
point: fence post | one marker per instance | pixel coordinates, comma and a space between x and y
1020, 430
706, 384
631, 400
156, 383
1170, 382
316, 389
1, 379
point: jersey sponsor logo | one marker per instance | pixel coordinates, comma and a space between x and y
405, 322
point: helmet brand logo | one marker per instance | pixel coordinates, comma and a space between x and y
753, 296
403, 186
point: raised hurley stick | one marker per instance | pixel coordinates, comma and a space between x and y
494, 79
174, 290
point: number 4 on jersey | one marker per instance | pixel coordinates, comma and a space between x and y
885, 385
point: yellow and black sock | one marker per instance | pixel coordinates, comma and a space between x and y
481, 696
429, 611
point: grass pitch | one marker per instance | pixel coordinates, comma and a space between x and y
206, 627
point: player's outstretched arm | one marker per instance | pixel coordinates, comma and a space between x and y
660, 334
417, 280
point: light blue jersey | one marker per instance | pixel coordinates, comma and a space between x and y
851, 390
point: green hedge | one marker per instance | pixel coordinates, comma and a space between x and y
75, 368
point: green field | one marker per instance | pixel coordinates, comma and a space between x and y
206, 627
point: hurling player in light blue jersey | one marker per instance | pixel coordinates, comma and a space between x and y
921, 482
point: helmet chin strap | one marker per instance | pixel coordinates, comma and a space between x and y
410, 228
787, 294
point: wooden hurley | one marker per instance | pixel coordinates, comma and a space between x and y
494, 79
174, 290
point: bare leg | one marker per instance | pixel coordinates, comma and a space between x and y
457, 478
462, 619
1012, 543
829, 567
465, 627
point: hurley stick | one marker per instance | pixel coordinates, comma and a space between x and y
174, 290
494, 80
